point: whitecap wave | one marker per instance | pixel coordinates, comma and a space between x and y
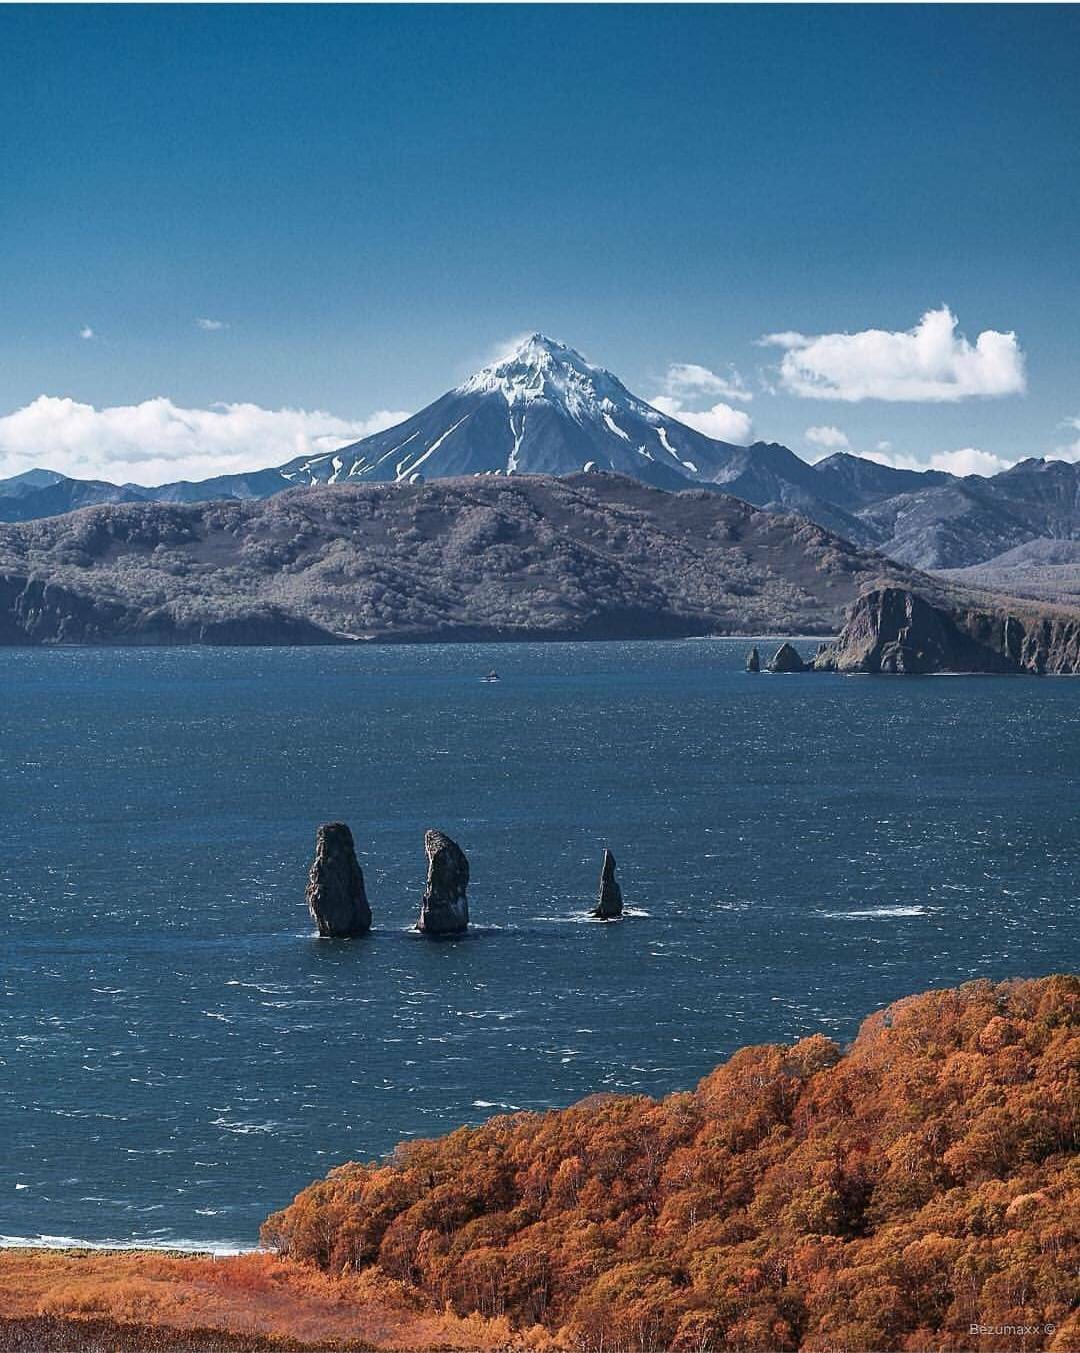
244, 1128
587, 918
875, 913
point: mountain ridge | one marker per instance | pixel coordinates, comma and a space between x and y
525, 557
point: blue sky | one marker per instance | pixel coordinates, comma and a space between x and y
365, 202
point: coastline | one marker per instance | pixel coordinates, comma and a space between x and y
455, 638
180, 1249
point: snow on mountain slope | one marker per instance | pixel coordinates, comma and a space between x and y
542, 410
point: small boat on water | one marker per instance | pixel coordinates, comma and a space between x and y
491, 676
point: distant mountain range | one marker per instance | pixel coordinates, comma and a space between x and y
545, 410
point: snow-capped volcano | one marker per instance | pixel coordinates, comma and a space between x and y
542, 410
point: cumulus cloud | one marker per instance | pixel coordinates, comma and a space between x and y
967, 460
157, 441
1072, 451
210, 326
931, 363
87, 332
828, 438
722, 422
690, 379
690, 382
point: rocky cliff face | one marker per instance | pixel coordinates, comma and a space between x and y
336, 896
444, 908
36, 610
900, 630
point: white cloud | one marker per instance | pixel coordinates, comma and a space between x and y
931, 363
687, 378
789, 338
894, 459
157, 441
828, 438
967, 460
688, 381
210, 326
721, 422
87, 332
1072, 451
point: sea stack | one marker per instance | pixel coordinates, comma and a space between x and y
786, 659
444, 909
335, 891
753, 661
610, 904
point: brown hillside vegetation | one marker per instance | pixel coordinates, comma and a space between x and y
890, 1197
147, 1302
594, 556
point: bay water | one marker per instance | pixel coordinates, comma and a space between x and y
179, 1053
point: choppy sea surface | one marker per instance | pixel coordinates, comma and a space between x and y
179, 1054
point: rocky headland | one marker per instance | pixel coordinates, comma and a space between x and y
917, 631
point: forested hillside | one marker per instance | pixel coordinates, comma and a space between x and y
887, 1197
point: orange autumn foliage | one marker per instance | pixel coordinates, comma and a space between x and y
889, 1197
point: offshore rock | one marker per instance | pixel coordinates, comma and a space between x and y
610, 903
335, 891
444, 908
786, 659
753, 661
